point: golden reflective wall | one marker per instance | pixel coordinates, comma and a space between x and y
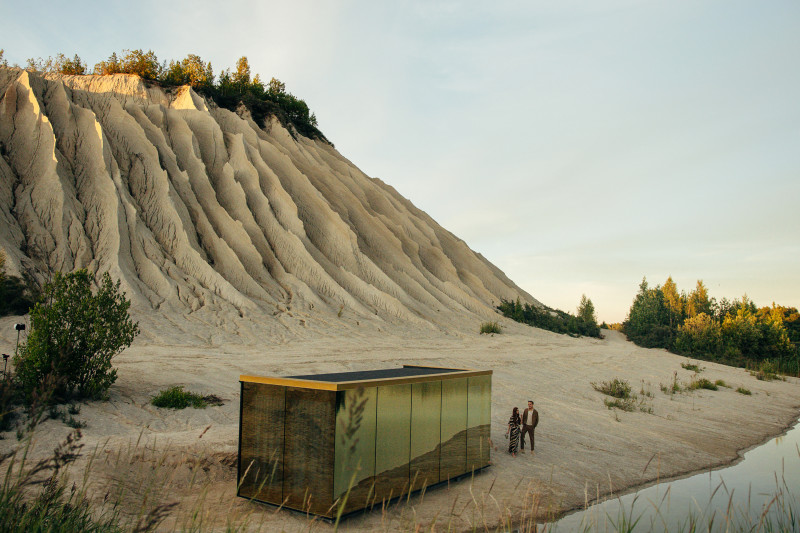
392, 442
261, 442
479, 414
354, 457
309, 450
426, 408
454, 428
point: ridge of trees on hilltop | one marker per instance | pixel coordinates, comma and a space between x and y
229, 89
733, 332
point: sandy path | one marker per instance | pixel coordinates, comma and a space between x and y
582, 447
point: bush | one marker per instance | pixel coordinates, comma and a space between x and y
616, 388
553, 319
490, 327
691, 366
74, 335
702, 383
742, 390
177, 398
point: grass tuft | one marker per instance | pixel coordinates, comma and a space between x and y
177, 398
616, 388
490, 327
702, 383
694, 367
742, 390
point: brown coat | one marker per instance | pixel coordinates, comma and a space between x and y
534, 419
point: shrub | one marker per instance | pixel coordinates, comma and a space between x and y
74, 335
765, 371
691, 366
490, 327
626, 404
702, 383
552, 319
616, 388
177, 398
742, 390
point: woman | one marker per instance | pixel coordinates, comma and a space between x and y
513, 431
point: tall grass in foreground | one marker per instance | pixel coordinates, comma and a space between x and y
141, 488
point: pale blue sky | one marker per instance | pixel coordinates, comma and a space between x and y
578, 148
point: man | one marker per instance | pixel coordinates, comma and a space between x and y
530, 419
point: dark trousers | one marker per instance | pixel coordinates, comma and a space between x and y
529, 430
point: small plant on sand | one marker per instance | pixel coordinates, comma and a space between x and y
177, 398
623, 397
490, 327
616, 388
702, 383
673, 387
721, 383
742, 390
766, 371
688, 365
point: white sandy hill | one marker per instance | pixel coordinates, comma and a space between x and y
206, 216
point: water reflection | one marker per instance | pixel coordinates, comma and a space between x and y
764, 486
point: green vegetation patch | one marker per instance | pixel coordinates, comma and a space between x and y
616, 388
702, 383
693, 367
177, 398
584, 324
490, 327
730, 332
742, 390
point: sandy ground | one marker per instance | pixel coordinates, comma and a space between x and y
582, 448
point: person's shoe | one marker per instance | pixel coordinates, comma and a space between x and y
531, 452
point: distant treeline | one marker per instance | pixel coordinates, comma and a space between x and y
585, 323
732, 332
229, 89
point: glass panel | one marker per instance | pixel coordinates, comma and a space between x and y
392, 442
479, 415
354, 463
426, 410
308, 455
261, 442
454, 428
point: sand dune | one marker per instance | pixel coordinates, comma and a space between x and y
198, 209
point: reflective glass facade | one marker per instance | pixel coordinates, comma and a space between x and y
323, 445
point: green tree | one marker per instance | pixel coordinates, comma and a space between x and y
241, 76
698, 301
74, 66
586, 310
143, 64
74, 335
672, 300
648, 318
276, 87
110, 66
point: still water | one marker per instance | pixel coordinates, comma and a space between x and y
764, 486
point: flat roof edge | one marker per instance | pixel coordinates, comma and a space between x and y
346, 385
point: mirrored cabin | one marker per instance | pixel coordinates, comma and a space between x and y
306, 442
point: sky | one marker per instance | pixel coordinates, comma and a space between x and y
579, 146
